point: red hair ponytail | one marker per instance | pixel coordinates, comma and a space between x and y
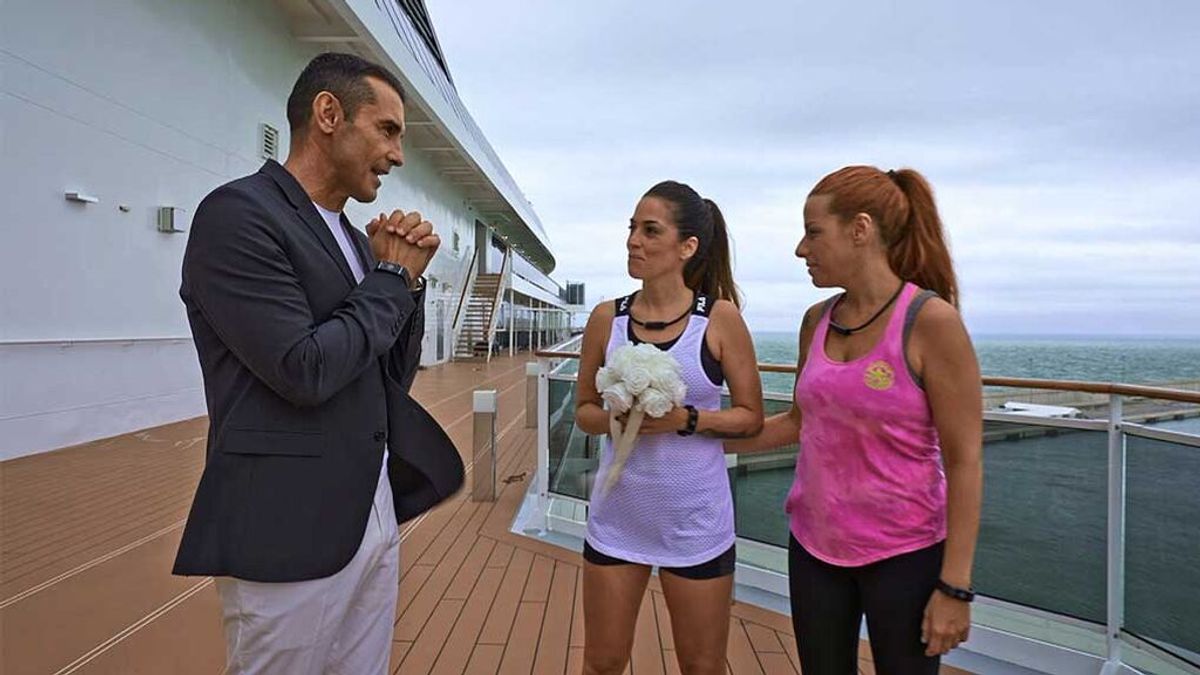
902, 205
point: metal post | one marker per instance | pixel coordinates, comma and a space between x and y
532, 368
543, 433
484, 479
1116, 537
512, 320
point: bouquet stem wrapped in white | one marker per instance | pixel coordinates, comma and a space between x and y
640, 380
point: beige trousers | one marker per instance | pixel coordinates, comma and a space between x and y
337, 625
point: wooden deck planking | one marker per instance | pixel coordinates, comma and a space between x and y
522, 644
458, 648
555, 638
740, 653
504, 607
484, 659
474, 598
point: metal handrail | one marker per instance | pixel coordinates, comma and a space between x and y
1110, 388
67, 342
505, 282
1117, 636
464, 296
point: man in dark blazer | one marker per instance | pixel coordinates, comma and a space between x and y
309, 335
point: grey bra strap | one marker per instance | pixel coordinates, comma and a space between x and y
910, 317
827, 306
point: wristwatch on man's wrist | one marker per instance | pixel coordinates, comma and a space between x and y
395, 268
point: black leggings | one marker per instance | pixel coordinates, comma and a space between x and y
828, 603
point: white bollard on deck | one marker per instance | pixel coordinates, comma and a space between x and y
483, 487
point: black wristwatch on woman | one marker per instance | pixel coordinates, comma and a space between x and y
964, 594
693, 418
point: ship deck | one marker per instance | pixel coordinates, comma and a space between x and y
88, 535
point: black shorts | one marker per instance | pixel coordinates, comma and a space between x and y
719, 566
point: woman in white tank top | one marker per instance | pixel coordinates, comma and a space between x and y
672, 507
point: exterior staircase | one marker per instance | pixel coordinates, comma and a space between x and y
475, 334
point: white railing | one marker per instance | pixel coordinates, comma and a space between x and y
1014, 632
67, 342
464, 297
504, 283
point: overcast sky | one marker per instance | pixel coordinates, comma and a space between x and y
1062, 138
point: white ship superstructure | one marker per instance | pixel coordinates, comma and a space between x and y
117, 121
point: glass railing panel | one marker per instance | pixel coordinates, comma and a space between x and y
1043, 525
778, 384
1043, 538
1162, 549
1071, 403
570, 344
574, 456
760, 483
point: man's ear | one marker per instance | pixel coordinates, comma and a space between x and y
327, 112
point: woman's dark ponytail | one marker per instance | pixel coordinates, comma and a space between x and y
715, 276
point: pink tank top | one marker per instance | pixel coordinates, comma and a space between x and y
869, 482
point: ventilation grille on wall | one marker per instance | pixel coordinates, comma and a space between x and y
268, 142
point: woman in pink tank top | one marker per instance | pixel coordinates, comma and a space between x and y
884, 508
672, 507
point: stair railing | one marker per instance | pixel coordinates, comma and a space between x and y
464, 297
505, 281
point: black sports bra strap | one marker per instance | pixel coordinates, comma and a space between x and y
623, 304
702, 306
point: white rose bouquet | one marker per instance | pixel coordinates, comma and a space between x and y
640, 380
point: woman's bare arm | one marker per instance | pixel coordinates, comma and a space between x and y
783, 428
950, 373
590, 415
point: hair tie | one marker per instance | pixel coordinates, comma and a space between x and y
891, 174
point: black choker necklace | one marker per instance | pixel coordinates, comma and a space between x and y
842, 330
659, 325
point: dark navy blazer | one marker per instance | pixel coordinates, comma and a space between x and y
306, 376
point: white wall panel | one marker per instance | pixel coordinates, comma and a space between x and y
141, 103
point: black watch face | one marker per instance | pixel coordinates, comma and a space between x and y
394, 269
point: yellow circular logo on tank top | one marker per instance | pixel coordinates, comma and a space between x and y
879, 376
